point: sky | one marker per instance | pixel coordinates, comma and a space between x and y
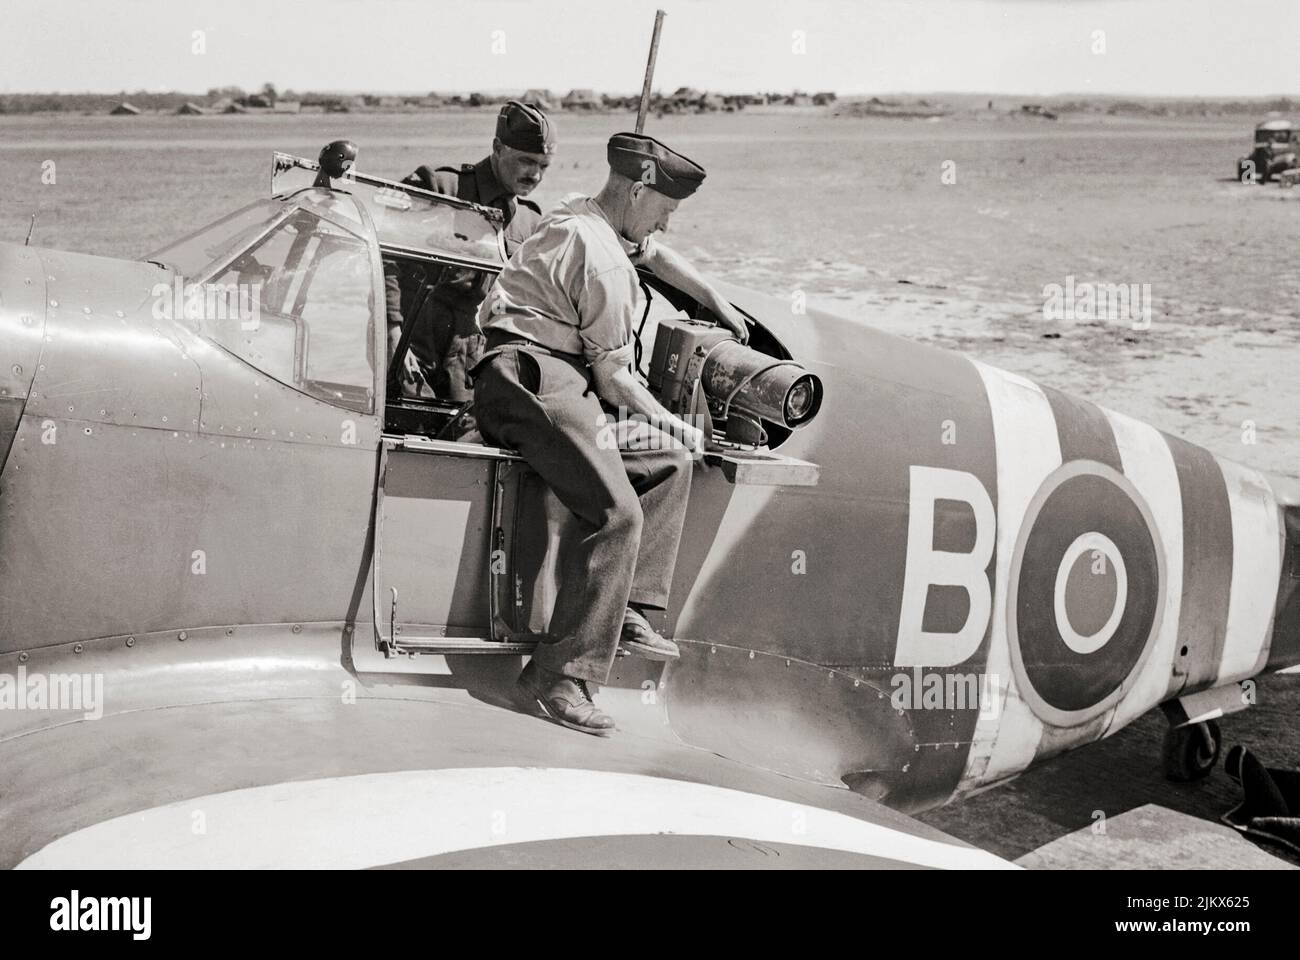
1170, 48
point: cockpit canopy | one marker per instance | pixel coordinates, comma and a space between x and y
291, 289
408, 220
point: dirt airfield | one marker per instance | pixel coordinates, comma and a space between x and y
950, 231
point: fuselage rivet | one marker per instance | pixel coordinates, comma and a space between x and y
751, 654
130, 641
230, 631
713, 649
183, 636
297, 628
78, 648
22, 658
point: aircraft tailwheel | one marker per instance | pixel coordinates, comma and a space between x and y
1190, 753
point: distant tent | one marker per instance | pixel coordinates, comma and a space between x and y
258, 100
233, 107
582, 99
124, 109
540, 96
287, 106
189, 109
710, 101
823, 99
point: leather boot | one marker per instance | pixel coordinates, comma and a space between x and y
565, 700
642, 640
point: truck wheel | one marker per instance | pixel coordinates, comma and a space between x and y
1190, 753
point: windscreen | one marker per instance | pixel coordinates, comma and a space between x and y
406, 218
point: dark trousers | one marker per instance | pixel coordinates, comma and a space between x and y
445, 339
626, 484
451, 345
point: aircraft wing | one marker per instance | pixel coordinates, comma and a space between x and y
208, 754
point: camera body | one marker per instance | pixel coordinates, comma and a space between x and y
740, 386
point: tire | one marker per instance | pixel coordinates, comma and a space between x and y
1190, 753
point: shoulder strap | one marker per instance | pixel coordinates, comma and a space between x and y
466, 184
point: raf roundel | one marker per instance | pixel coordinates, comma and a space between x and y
1085, 593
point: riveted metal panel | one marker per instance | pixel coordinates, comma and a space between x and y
243, 402
22, 319
108, 529
107, 358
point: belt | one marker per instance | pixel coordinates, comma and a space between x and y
497, 342
499, 338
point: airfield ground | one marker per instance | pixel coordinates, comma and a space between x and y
947, 231
1121, 773
854, 213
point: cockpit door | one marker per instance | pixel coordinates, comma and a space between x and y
444, 539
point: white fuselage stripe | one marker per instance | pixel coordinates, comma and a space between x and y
1256, 570
1024, 432
1149, 464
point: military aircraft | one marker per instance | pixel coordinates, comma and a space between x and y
258, 609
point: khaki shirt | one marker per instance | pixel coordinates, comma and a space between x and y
572, 286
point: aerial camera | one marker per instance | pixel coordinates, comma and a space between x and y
740, 386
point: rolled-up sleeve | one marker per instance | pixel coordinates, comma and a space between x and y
607, 307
